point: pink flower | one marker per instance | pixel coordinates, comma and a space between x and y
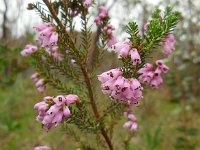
40, 83
58, 118
28, 50
164, 68
60, 100
152, 76
97, 20
118, 47
71, 99
156, 81
119, 88
102, 12
42, 26
87, 3
124, 52
168, 45
66, 112
52, 111
132, 124
135, 56
53, 39
42, 148
111, 41
47, 35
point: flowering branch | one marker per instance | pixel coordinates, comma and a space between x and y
59, 58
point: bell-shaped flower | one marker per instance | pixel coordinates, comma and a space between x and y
135, 57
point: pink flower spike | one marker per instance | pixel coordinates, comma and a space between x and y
42, 148
135, 57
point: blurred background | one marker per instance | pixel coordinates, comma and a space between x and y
168, 118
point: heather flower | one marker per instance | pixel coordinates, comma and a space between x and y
135, 56
124, 50
132, 124
47, 35
40, 83
53, 111
42, 148
28, 50
119, 88
97, 20
156, 82
152, 76
168, 45
103, 13
54, 52
42, 26
117, 47
111, 41
87, 3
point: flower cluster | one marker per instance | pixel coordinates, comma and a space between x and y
168, 45
103, 14
40, 83
132, 124
54, 52
108, 28
123, 49
47, 39
111, 40
47, 34
127, 91
152, 76
42, 148
28, 50
52, 111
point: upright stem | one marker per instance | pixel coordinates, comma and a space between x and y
86, 76
94, 107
